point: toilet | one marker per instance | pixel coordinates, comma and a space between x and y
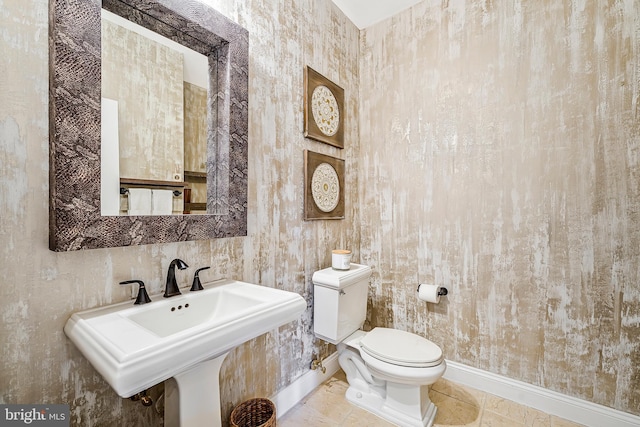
388, 370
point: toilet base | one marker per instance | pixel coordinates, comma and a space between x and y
391, 394
382, 406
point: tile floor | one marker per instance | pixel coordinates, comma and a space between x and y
457, 406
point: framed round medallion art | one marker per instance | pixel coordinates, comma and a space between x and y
324, 186
323, 109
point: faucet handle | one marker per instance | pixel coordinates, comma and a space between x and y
197, 286
143, 296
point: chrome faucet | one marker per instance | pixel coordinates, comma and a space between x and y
172, 286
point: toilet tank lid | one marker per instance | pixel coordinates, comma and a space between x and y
340, 279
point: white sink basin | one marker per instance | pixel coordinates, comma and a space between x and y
213, 307
137, 346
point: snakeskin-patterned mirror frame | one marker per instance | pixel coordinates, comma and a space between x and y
75, 221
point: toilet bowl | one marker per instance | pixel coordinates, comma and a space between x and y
389, 371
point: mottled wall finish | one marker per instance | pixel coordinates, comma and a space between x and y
500, 157
283, 249
499, 151
42, 288
146, 79
195, 128
195, 140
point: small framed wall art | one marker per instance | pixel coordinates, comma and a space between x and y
323, 109
324, 186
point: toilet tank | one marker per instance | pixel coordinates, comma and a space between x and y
339, 301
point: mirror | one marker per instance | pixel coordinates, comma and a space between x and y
154, 122
75, 219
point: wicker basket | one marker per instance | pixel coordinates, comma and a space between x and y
254, 413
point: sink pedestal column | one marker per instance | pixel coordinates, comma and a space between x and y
192, 397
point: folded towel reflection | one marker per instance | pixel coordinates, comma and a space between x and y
161, 202
139, 201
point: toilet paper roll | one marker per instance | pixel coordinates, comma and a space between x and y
430, 293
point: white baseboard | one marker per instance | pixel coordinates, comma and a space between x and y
290, 396
550, 402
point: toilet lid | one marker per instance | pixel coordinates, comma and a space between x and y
401, 348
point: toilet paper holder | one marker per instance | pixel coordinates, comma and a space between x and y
441, 292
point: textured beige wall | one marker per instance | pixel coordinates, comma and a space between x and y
195, 139
284, 250
41, 288
499, 157
146, 79
195, 128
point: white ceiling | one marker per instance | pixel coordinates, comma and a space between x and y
364, 13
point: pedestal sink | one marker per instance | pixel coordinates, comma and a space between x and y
185, 337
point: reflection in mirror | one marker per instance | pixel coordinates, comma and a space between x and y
154, 117
75, 143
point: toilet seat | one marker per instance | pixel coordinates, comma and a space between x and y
401, 348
